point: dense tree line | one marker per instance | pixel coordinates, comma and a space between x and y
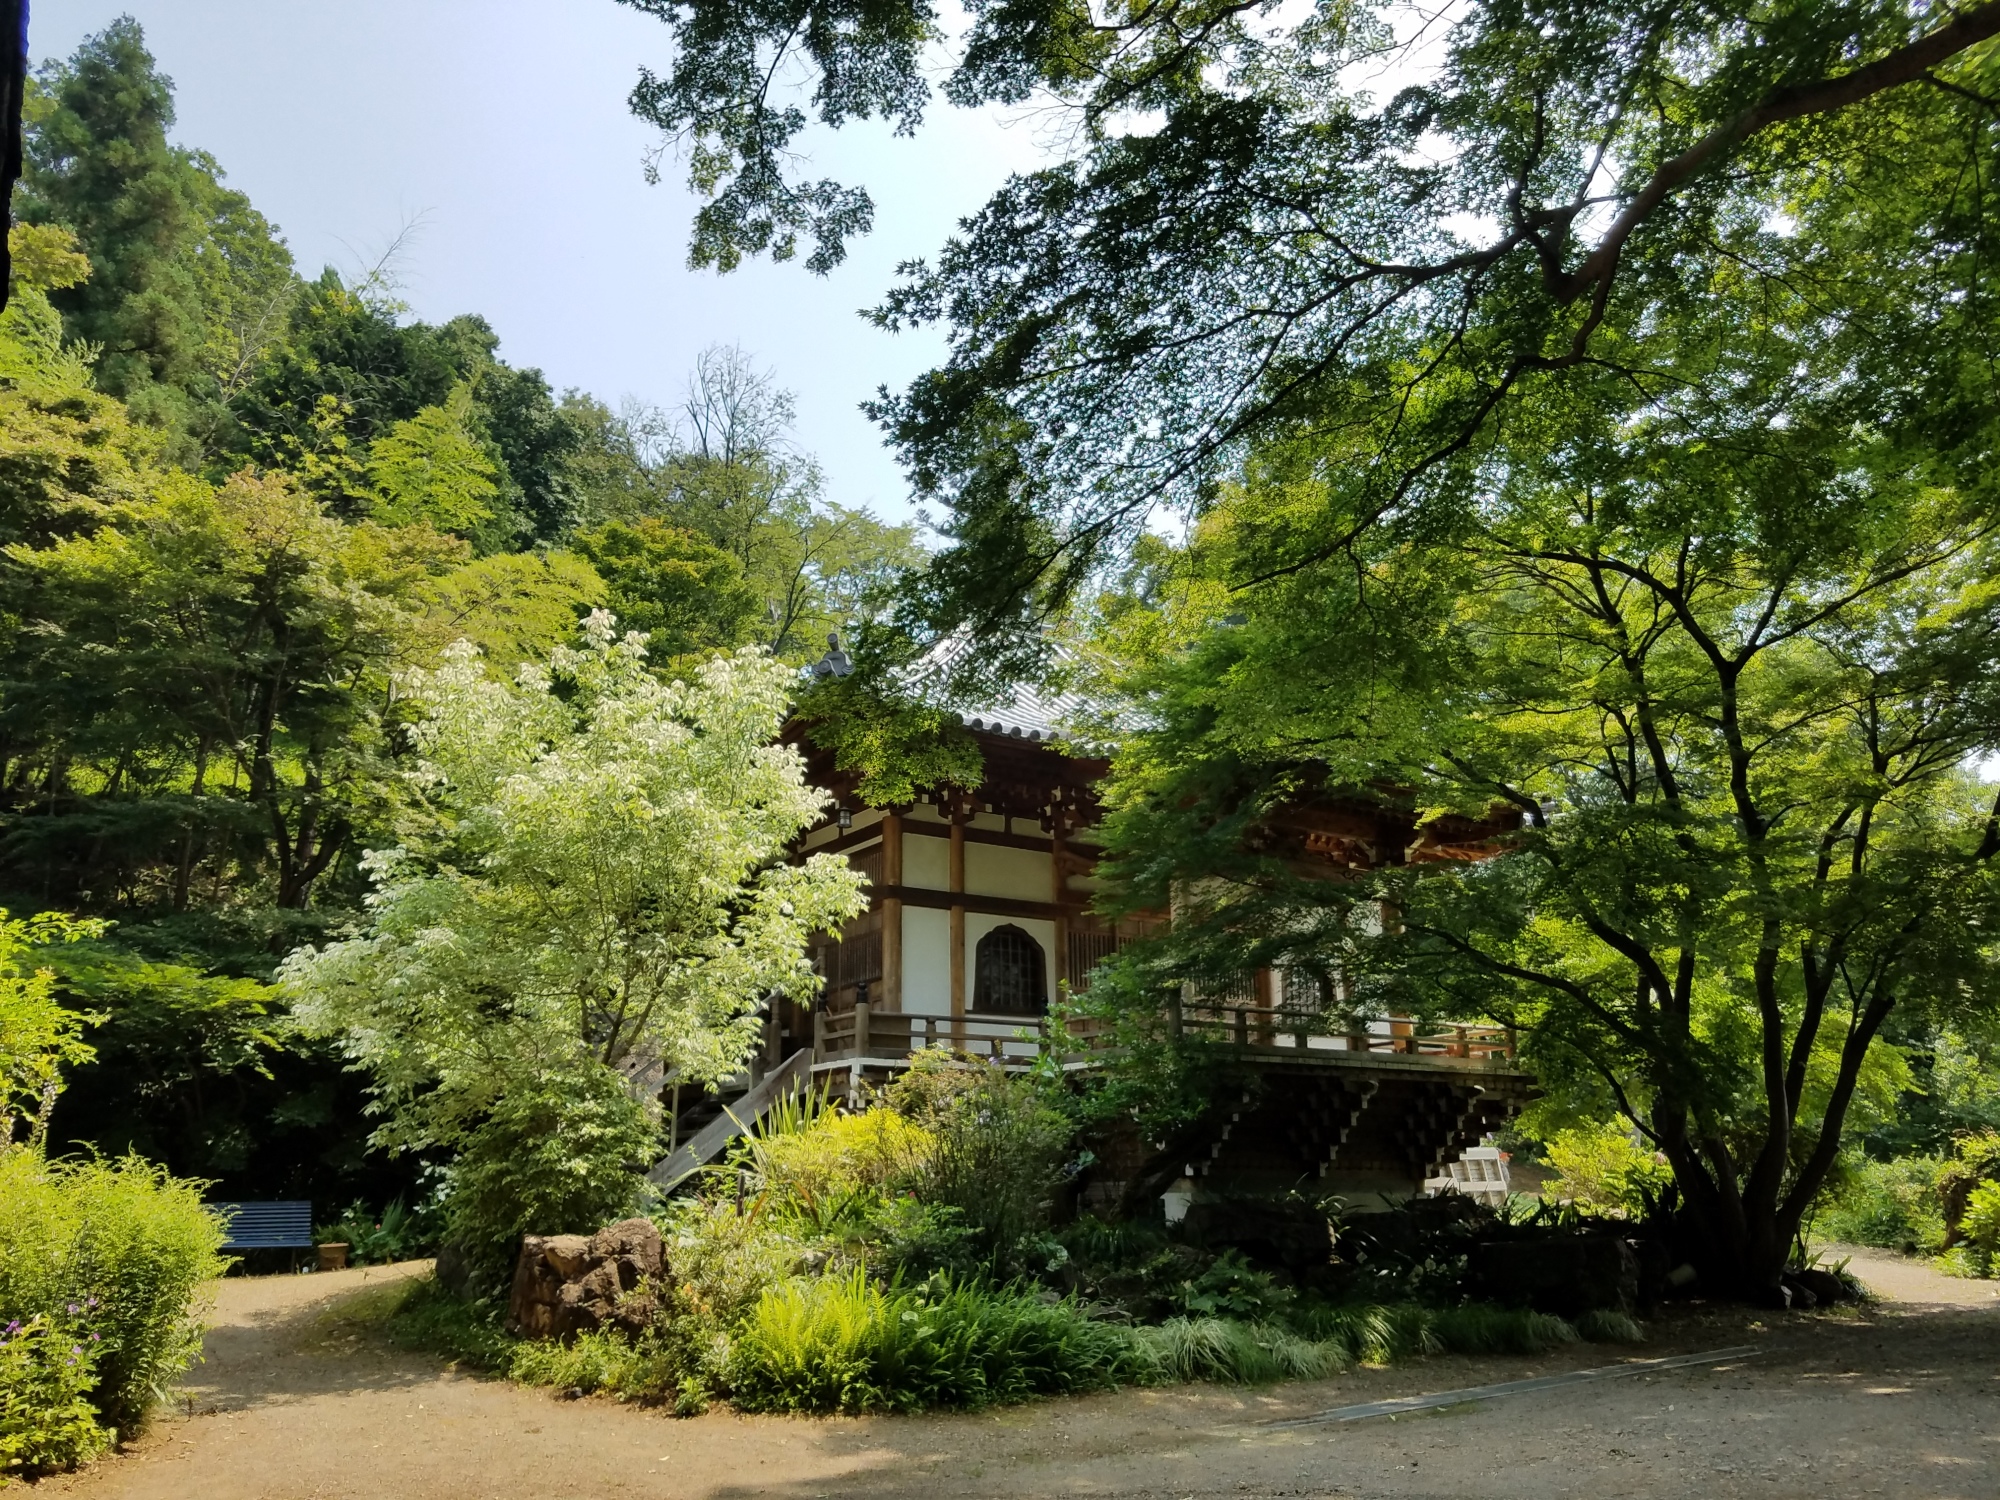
239, 506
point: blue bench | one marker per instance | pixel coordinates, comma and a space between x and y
265, 1226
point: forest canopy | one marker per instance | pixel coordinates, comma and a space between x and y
240, 505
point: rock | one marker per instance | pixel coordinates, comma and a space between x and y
531, 1300
1825, 1288
566, 1284
1563, 1274
635, 1241
569, 1254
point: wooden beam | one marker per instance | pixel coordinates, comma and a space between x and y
984, 906
892, 913
958, 917
1059, 893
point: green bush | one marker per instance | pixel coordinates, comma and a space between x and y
1893, 1204
47, 1373
1603, 1170
555, 1158
114, 1249
844, 1343
998, 1150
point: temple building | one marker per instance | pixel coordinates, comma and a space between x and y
980, 914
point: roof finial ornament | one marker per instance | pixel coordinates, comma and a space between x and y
836, 662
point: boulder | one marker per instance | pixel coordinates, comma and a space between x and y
566, 1284
635, 1241
568, 1254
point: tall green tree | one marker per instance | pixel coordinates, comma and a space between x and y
1370, 217
1688, 711
190, 282
198, 693
722, 467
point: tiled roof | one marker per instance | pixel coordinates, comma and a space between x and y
1022, 711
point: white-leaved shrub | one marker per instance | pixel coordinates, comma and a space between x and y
593, 878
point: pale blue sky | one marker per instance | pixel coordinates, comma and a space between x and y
503, 122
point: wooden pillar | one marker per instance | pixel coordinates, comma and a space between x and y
957, 917
1059, 894
892, 913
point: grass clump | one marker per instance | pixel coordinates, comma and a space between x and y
1236, 1353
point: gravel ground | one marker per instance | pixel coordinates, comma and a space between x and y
298, 1397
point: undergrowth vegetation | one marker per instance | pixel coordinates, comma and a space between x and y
902, 1259
1945, 1205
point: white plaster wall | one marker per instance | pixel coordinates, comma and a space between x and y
1019, 874
977, 926
927, 861
927, 961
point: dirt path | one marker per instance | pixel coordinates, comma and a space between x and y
298, 1399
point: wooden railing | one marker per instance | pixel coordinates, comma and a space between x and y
863, 1032
1264, 1026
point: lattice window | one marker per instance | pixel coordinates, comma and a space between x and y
1306, 992
1086, 951
846, 962
1010, 974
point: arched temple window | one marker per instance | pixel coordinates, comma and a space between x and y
1010, 974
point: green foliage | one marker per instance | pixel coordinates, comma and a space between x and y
1233, 1288
680, 590
465, 1330
722, 468
205, 687
560, 1151
1000, 1148
598, 849
39, 1037
629, 1369
114, 1253
825, 1173
1238, 1353
1603, 1171
189, 280
397, 1233
47, 1374
843, 1343
1893, 1204
1981, 1223
431, 470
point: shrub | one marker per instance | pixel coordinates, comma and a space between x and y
1980, 1229
1893, 1204
1233, 1288
644, 1369
1603, 1170
119, 1247
999, 1148
843, 1343
555, 1158
46, 1419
